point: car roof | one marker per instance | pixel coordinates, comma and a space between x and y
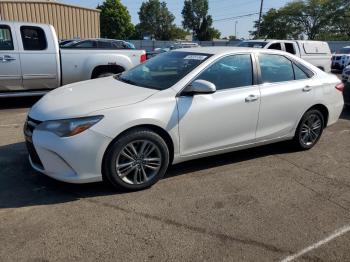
217, 50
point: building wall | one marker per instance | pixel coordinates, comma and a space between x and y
69, 21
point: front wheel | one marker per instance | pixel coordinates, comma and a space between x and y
309, 130
137, 160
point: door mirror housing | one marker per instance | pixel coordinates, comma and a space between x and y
200, 87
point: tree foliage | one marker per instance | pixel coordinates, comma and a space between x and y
158, 21
196, 18
312, 19
115, 20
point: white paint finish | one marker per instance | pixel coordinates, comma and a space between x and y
217, 121
41, 69
200, 125
337, 233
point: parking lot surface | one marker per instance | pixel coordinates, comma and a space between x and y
264, 204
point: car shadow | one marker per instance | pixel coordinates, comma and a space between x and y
21, 186
346, 113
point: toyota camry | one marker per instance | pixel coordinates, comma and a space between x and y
181, 105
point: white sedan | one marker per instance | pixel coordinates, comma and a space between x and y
180, 105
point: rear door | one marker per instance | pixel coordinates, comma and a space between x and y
286, 93
10, 66
39, 56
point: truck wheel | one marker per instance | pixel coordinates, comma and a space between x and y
105, 74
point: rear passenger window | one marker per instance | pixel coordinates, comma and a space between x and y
33, 38
290, 48
275, 68
6, 42
276, 46
299, 74
230, 72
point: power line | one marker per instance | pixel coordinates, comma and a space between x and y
235, 17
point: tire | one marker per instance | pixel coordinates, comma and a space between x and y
105, 74
136, 160
307, 135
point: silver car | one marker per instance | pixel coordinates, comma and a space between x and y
179, 106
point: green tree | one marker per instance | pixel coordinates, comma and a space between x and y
313, 19
276, 24
196, 18
115, 20
158, 21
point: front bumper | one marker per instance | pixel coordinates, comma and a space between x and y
76, 159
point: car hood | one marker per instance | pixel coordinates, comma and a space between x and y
83, 98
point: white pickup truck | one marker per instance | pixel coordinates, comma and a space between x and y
31, 62
315, 52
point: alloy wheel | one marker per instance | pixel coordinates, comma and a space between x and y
138, 162
311, 129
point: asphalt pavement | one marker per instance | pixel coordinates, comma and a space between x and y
263, 204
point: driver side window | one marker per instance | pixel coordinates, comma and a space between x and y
230, 72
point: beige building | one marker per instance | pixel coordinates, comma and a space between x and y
69, 21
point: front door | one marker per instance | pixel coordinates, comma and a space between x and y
226, 118
10, 66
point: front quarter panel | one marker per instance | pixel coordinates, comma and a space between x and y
159, 110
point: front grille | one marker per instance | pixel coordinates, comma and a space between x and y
29, 127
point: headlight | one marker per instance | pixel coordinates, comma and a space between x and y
69, 127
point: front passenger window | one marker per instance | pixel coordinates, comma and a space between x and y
229, 72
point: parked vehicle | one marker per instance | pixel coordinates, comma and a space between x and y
346, 74
315, 52
180, 105
341, 58
32, 63
100, 43
68, 42
178, 45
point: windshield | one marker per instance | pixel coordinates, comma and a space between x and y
164, 70
253, 44
345, 50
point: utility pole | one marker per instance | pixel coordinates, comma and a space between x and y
260, 14
236, 22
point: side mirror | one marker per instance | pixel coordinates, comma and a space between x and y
200, 87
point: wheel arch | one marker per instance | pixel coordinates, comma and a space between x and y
106, 68
322, 108
157, 129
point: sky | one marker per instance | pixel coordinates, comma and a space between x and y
219, 9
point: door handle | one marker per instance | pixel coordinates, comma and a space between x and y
6, 58
251, 98
307, 88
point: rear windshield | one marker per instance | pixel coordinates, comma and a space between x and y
164, 70
252, 44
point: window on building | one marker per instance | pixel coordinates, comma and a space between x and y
33, 38
230, 72
6, 42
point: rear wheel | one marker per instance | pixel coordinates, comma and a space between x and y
309, 130
137, 160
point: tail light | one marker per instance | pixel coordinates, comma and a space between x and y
340, 87
143, 58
